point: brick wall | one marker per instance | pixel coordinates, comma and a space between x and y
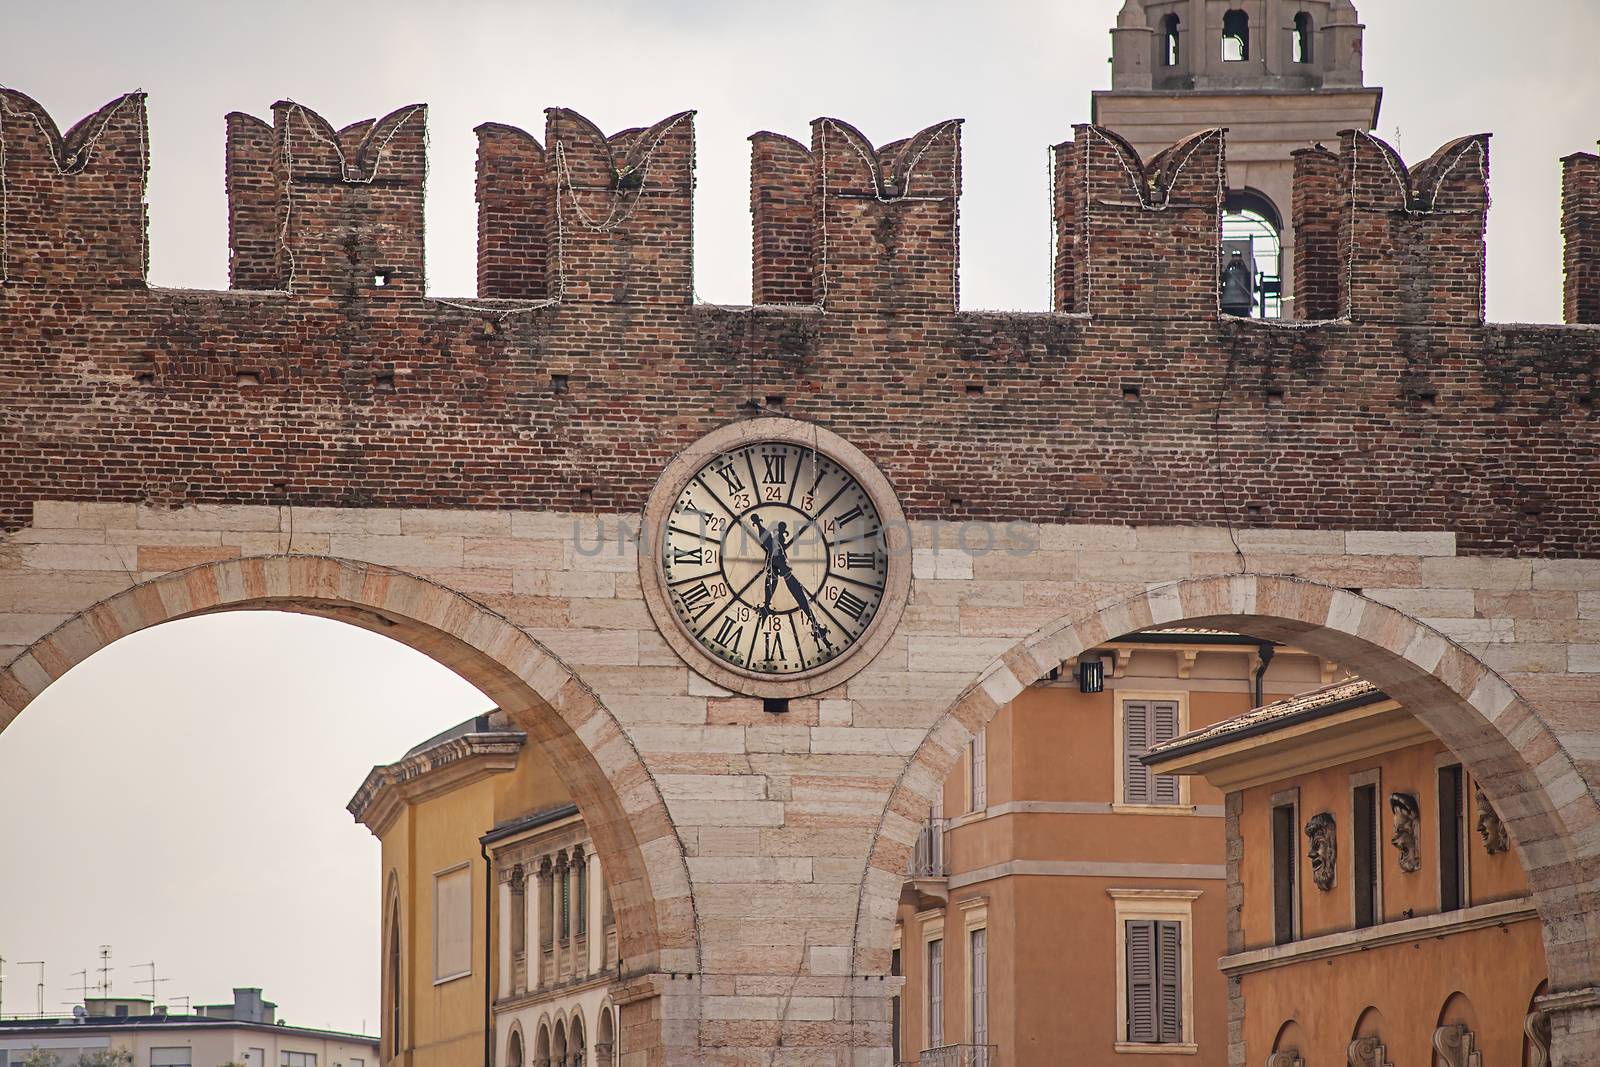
1407, 412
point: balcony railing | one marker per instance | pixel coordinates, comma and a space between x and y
961, 1056
927, 858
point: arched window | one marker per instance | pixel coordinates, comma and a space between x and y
1251, 225
1169, 41
514, 1057
519, 911
577, 1045
1302, 37
605, 1039
1235, 36
396, 997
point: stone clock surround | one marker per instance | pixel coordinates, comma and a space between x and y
759, 857
897, 536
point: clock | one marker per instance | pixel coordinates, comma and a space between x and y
774, 556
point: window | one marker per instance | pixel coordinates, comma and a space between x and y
171, 1057
255, 1057
1155, 968
1366, 858
1169, 41
582, 875
297, 1059
978, 983
935, 993
392, 1037
1285, 856
1146, 723
1302, 37
978, 752
452, 923
894, 1002
546, 890
566, 903
1235, 36
1452, 839
519, 912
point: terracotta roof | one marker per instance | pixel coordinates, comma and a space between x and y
1314, 704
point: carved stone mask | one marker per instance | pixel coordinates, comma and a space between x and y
1406, 817
1490, 828
1324, 852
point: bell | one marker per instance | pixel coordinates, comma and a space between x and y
1238, 296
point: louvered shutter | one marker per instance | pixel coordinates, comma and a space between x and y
1135, 743
1164, 787
1141, 967
1169, 981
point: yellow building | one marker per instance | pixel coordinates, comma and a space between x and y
1382, 914
497, 944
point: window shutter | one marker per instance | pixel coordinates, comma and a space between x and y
1141, 966
1135, 743
1169, 981
1164, 787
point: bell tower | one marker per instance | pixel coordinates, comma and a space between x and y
1279, 74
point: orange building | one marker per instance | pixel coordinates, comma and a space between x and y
1382, 912
1065, 905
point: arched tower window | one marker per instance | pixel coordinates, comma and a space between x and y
1251, 225
396, 997
1169, 41
1302, 37
1235, 36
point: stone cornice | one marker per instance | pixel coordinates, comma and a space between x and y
437, 769
1399, 932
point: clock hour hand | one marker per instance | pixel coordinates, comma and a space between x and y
818, 630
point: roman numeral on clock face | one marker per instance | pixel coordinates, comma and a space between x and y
688, 555
771, 646
850, 516
854, 560
728, 634
730, 475
696, 600
774, 469
851, 605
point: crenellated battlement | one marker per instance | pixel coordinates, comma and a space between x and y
328, 377
838, 224
72, 205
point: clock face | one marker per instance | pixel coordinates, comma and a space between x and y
774, 558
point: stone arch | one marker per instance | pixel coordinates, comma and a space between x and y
541, 1043
599, 766
605, 1036
1520, 762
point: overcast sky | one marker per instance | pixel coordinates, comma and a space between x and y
142, 803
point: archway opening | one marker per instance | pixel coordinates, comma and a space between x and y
1457, 713
537, 695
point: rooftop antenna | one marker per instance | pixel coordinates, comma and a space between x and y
105, 970
84, 985
39, 964
152, 981
2, 987
185, 1002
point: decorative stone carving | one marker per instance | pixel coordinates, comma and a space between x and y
1537, 1026
1324, 849
1286, 1057
1490, 828
1368, 1051
1457, 1046
1407, 817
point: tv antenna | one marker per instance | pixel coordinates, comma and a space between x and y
152, 981
185, 1002
105, 970
83, 986
39, 964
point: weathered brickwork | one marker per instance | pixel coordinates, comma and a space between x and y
1400, 486
1147, 409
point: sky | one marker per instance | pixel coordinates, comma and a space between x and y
141, 804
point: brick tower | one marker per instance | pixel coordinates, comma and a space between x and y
1279, 74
